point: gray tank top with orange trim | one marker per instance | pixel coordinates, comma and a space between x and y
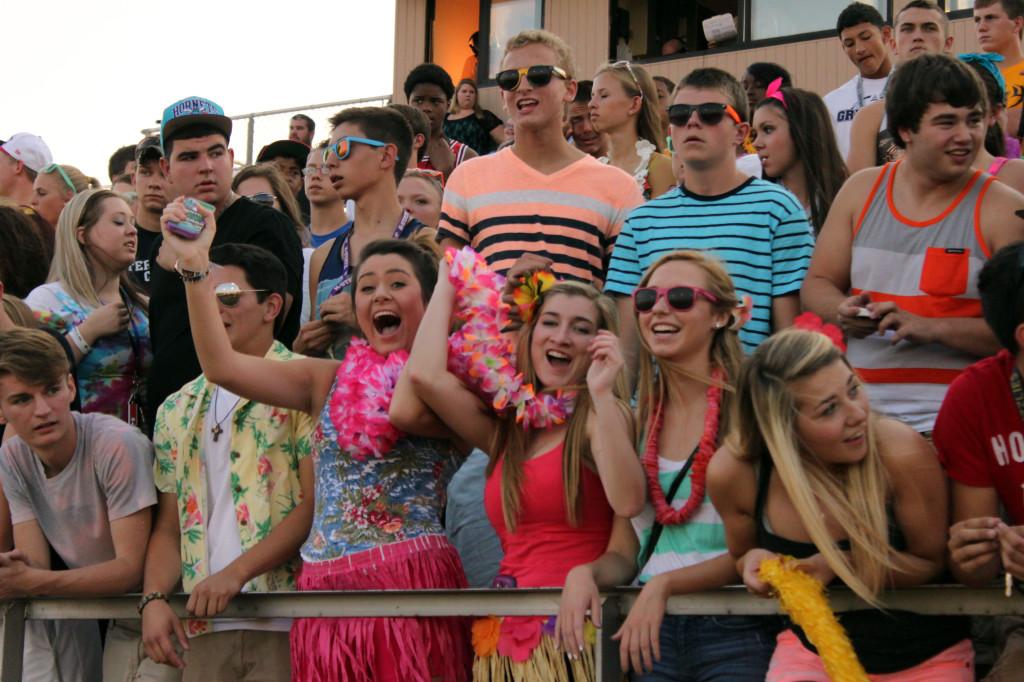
928, 268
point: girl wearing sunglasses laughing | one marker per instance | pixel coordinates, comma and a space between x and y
687, 313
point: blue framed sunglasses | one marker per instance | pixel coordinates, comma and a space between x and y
343, 147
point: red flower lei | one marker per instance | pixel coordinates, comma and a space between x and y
663, 511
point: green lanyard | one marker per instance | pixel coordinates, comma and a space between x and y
1017, 388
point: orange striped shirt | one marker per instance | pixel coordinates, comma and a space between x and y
504, 208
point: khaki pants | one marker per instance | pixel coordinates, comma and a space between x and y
238, 656
124, 659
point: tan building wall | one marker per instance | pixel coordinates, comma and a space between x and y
818, 65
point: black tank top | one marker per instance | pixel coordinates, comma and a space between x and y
885, 642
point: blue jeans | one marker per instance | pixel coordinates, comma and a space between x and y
714, 649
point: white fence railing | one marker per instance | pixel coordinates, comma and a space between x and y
267, 126
934, 600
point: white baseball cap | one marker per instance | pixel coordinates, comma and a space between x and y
29, 149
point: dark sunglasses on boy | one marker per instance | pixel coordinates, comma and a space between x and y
679, 298
709, 113
538, 76
229, 294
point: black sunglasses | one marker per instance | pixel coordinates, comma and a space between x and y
679, 298
263, 198
538, 76
709, 113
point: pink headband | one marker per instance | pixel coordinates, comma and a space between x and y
774, 91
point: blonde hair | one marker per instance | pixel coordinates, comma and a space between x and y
19, 313
648, 120
71, 266
477, 110
855, 497
655, 373
80, 180
536, 36
511, 440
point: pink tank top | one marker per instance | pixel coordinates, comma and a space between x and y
544, 546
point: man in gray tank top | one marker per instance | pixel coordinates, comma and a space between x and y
897, 260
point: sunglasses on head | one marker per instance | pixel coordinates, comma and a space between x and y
679, 298
343, 147
53, 167
709, 113
229, 294
538, 76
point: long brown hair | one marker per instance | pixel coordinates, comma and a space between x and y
810, 129
726, 353
289, 206
511, 441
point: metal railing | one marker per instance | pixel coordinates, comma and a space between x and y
932, 600
279, 118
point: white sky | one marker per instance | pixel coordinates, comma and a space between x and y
89, 76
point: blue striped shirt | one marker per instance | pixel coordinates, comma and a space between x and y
758, 230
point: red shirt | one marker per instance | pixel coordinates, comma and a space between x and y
544, 546
979, 434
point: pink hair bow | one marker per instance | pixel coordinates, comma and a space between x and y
774, 91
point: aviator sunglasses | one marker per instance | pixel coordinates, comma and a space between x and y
709, 113
229, 294
679, 298
343, 147
538, 76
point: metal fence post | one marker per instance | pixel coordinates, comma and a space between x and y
607, 651
12, 647
248, 140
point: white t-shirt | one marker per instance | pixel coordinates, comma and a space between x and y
223, 542
109, 477
749, 164
843, 105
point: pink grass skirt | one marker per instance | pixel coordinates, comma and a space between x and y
384, 649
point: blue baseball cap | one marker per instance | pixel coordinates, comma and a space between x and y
192, 111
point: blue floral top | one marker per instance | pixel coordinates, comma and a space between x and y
363, 504
106, 375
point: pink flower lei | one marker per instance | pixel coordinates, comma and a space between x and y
482, 357
359, 404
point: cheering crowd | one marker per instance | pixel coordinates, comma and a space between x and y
641, 333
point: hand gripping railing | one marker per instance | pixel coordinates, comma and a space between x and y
934, 600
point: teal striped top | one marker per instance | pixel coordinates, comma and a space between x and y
699, 539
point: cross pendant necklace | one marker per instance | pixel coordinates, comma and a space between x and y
216, 429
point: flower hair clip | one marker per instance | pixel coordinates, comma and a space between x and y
812, 323
742, 313
526, 295
774, 91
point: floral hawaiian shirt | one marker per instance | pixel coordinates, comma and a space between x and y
266, 446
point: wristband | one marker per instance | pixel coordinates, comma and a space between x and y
152, 596
190, 275
75, 336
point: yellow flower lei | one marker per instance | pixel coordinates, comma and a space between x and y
802, 597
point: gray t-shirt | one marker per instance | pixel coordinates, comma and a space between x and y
110, 476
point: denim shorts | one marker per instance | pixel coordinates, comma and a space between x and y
714, 649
